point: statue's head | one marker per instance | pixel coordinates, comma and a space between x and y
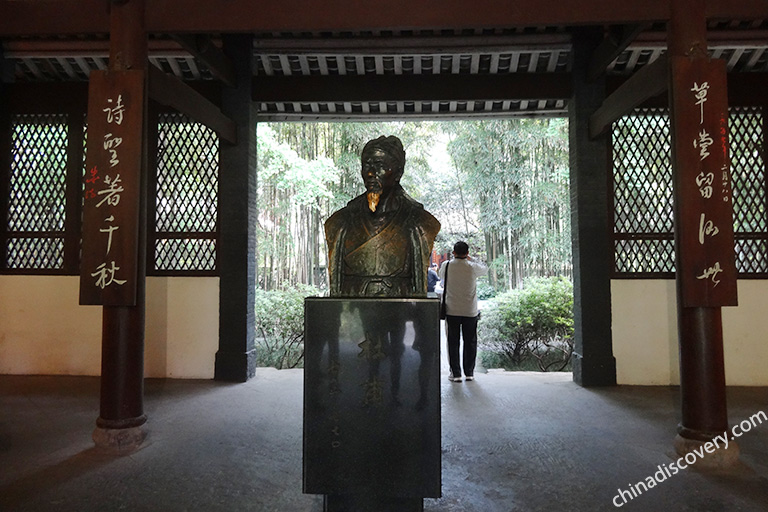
383, 162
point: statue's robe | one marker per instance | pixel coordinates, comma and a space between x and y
387, 259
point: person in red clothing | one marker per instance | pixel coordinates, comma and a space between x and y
461, 313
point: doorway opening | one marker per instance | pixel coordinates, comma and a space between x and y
501, 185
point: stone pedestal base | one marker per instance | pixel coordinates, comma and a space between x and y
369, 503
372, 403
721, 458
119, 440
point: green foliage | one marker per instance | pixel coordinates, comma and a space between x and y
501, 185
532, 324
38, 171
484, 289
280, 326
513, 174
280, 166
446, 238
306, 172
292, 193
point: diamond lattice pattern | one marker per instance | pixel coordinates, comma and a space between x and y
643, 194
36, 206
187, 189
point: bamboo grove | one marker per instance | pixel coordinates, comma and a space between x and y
502, 185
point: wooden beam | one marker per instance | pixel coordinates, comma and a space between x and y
384, 15
406, 45
47, 97
51, 17
413, 45
747, 89
372, 117
715, 39
48, 49
168, 90
650, 81
744, 90
617, 40
202, 47
352, 88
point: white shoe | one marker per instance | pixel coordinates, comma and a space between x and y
470, 378
454, 379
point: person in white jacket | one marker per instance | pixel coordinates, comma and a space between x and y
461, 313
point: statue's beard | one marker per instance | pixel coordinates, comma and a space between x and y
373, 200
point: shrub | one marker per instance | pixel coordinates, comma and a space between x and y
530, 325
485, 290
280, 326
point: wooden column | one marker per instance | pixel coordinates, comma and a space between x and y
5, 160
72, 227
236, 251
593, 361
122, 364
704, 245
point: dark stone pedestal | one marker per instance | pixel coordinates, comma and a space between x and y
372, 403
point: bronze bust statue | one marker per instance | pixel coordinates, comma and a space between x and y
379, 244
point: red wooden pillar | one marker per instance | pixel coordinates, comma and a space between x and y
122, 367
704, 242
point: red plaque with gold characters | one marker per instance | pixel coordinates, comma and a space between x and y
706, 262
108, 269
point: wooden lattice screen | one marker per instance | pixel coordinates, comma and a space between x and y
186, 197
37, 190
41, 205
643, 196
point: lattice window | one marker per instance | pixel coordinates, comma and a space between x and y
749, 190
187, 189
36, 202
643, 194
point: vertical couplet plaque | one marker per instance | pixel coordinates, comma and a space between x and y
108, 271
704, 241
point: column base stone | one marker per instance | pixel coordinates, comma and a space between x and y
720, 458
119, 440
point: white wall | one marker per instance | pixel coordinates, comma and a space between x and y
44, 331
644, 321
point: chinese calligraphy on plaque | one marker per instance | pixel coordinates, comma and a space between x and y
704, 222
112, 188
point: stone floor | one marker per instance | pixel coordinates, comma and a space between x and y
511, 442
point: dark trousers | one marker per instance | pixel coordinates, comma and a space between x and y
467, 327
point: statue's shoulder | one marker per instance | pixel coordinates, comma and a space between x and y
337, 220
429, 222
424, 219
